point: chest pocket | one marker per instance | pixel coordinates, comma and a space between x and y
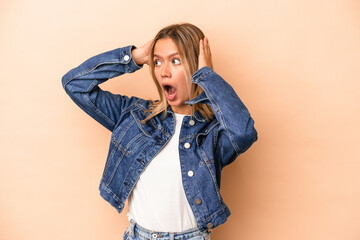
131, 135
201, 136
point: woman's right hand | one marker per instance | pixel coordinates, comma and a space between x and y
141, 54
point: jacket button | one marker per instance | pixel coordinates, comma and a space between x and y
126, 58
209, 225
187, 145
192, 122
198, 201
190, 173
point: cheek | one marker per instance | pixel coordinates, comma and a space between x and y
180, 76
183, 82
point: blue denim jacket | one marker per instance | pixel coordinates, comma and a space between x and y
204, 147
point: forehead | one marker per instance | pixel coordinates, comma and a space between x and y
165, 47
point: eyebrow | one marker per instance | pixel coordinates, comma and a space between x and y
169, 56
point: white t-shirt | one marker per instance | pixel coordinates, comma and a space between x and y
158, 201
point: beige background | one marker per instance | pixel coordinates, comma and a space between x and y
294, 63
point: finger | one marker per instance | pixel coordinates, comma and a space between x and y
201, 48
209, 57
201, 54
207, 46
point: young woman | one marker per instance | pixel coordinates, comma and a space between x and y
166, 155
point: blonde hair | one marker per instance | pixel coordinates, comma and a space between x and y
186, 37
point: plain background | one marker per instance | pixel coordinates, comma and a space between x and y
294, 63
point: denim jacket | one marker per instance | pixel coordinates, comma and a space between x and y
205, 147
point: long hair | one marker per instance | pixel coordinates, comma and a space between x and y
186, 37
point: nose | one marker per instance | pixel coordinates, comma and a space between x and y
165, 70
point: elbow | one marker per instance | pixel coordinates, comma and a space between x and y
248, 136
64, 81
251, 136
66, 84
67, 81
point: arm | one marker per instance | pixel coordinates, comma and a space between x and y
81, 83
236, 130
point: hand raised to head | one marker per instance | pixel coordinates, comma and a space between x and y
141, 54
205, 54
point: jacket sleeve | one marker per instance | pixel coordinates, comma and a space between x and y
81, 84
236, 131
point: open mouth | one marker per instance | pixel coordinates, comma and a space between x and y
170, 91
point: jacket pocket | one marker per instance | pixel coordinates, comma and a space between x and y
128, 137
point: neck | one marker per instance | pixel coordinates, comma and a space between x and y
186, 110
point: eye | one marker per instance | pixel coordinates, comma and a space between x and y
157, 62
176, 61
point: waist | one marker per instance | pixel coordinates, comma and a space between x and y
136, 229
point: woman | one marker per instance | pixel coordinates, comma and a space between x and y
166, 156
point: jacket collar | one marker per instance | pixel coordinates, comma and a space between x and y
197, 115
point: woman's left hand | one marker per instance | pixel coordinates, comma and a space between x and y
205, 54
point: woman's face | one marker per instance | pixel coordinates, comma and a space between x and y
170, 74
